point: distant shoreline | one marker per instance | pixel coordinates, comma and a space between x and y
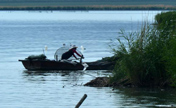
92, 7
87, 5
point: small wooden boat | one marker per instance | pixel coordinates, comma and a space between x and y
65, 65
39, 62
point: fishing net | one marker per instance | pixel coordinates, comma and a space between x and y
36, 57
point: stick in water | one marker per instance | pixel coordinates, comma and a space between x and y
81, 101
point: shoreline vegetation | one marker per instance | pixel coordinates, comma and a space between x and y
93, 7
87, 5
146, 58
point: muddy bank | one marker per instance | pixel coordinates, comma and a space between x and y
105, 82
125, 82
98, 82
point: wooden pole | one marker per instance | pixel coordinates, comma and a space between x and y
81, 101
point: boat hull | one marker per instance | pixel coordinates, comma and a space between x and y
50, 65
57, 65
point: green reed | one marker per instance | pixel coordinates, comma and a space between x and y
148, 57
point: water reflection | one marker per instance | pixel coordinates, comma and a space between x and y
78, 77
145, 97
71, 82
63, 76
48, 73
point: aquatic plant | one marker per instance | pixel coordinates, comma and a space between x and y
148, 57
167, 28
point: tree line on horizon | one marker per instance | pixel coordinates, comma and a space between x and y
87, 8
87, 5
159, 1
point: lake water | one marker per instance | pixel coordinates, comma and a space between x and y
24, 33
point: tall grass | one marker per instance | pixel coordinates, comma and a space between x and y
167, 27
140, 59
148, 57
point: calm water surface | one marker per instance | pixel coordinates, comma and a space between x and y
24, 33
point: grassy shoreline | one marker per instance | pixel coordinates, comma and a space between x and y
92, 7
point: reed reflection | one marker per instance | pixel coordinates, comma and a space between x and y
145, 97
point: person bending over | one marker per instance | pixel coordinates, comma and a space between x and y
70, 53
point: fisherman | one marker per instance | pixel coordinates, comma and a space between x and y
59, 52
70, 53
